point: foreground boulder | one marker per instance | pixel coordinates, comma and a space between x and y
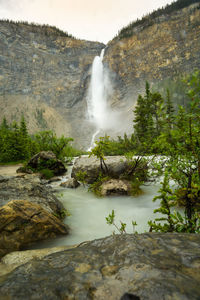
31, 189
45, 160
23, 222
17, 258
148, 266
90, 166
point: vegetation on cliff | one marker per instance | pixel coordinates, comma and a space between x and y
151, 18
45, 29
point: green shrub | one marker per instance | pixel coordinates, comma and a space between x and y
46, 173
96, 186
152, 18
81, 176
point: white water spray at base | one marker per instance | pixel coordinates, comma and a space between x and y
92, 144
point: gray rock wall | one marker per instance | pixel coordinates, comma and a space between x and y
45, 76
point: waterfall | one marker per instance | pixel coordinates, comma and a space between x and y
97, 97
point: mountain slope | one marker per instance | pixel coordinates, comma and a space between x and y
166, 47
44, 75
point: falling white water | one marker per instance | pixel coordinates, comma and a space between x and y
93, 140
97, 98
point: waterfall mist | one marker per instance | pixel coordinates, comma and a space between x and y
100, 89
105, 119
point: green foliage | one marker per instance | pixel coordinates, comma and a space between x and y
148, 120
40, 119
48, 141
46, 173
121, 146
152, 18
172, 221
181, 144
17, 145
136, 187
177, 89
70, 151
96, 186
137, 173
110, 220
81, 176
99, 151
62, 214
44, 29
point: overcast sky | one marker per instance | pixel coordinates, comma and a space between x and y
97, 20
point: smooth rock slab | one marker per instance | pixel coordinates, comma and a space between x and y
117, 165
150, 266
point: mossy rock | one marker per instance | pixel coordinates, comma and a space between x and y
46, 160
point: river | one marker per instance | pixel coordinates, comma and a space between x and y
87, 214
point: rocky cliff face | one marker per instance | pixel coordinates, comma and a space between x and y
45, 76
167, 48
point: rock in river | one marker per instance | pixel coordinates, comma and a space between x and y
117, 165
71, 183
115, 187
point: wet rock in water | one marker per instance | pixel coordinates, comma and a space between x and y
24, 170
71, 183
23, 222
146, 266
117, 165
115, 187
46, 160
31, 189
54, 179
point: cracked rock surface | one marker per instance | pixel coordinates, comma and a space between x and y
29, 188
23, 222
149, 266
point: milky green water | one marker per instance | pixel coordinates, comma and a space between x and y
87, 220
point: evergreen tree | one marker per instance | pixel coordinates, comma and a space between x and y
4, 124
23, 128
148, 120
183, 165
169, 111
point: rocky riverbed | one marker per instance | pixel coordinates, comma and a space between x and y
129, 266
29, 211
